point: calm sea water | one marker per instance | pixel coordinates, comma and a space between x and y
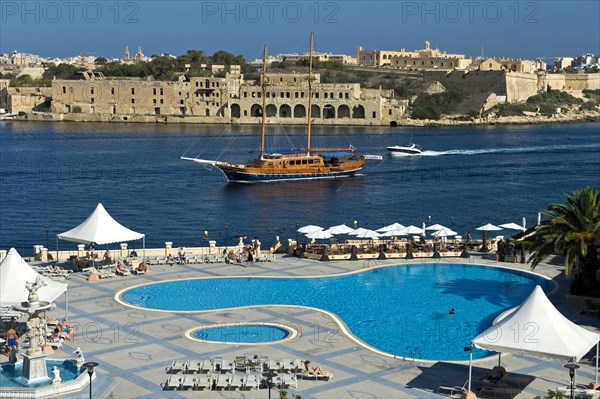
54, 174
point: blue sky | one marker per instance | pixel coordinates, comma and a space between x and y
503, 28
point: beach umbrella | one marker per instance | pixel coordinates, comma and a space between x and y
435, 227
484, 229
393, 233
445, 232
319, 235
358, 231
340, 229
393, 226
524, 223
309, 229
512, 226
410, 230
367, 234
539, 218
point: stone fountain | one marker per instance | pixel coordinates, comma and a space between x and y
34, 359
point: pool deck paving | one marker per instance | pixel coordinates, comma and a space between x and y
135, 348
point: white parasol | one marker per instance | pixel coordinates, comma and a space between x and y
485, 228
319, 235
512, 226
393, 226
410, 230
435, 227
358, 231
445, 232
393, 233
309, 229
340, 229
367, 234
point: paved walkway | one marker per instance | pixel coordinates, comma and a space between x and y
134, 348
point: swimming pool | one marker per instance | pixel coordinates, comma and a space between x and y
242, 333
401, 310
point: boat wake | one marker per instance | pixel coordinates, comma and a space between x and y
511, 150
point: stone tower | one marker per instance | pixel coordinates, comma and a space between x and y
427, 45
127, 57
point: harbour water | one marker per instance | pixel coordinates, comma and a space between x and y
54, 174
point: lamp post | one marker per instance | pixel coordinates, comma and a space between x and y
90, 366
47, 228
297, 227
572, 367
226, 235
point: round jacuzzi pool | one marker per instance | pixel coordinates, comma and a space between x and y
242, 333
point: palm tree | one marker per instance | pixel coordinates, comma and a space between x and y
573, 229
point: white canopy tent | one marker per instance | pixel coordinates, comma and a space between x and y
551, 336
15, 273
101, 228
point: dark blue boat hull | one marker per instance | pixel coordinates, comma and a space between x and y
240, 177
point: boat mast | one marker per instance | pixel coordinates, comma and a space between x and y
264, 106
309, 112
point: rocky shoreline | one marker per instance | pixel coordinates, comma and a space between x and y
569, 117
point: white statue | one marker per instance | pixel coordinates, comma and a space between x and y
79, 353
33, 287
56, 373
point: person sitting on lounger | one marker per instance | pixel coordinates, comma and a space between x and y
107, 257
143, 267
495, 375
121, 268
315, 370
67, 330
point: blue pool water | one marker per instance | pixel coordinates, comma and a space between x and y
400, 309
68, 371
242, 333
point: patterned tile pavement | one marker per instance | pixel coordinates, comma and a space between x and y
135, 348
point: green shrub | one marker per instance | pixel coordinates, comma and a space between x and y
432, 106
554, 97
77, 109
22, 113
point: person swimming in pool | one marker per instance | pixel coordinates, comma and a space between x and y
452, 312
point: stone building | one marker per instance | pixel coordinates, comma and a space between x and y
229, 99
425, 58
320, 57
508, 64
25, 99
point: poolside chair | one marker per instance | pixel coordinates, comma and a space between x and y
188, 382
309, 375
252, 381
287, 380
241, 363
172, 383
123, 273
217, 364
203, 382
221, 382
193, 366
580, 391
287, 366
205, 367
177, 366
236, 381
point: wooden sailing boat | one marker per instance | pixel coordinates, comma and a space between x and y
305, 164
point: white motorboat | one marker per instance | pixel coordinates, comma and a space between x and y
408, 149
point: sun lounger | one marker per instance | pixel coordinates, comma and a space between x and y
241, 363
581, 391
203, 382
193, 366
287, 366
287, 380
172, 383
222, 382
217, 363
236, 381
326, 376
205, 367
188, 382
178, 366
252, 381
